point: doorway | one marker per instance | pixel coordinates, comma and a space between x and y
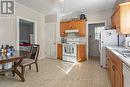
50, 36
94, 30
26, 33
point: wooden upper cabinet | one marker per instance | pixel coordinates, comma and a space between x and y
81, 26
63, 27
71, 25
121, 18
113, 21
116, 19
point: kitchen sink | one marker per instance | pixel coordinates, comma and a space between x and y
125, 53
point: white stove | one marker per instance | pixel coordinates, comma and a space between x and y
70, 50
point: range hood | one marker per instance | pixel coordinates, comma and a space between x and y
72, 31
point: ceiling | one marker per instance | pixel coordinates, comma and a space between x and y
53, 6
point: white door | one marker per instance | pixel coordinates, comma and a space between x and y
50, 38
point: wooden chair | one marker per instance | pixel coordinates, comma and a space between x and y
32, 59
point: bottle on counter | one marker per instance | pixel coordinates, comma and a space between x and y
7, 48
12, 50
2, 48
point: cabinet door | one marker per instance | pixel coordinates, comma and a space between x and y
112, 74
114, 68
59, 51
120, 18
108, 62
113, 21
67, 25
73, 25
108, 67
118, 78
81, 26
117, 19
125, 18
63, 27
81, 52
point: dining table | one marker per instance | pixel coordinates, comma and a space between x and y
6, 58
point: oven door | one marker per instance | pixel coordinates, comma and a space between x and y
70, 50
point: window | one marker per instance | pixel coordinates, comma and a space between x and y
98, 31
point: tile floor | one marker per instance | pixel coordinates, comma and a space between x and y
56, 73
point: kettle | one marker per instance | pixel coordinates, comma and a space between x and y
82, 17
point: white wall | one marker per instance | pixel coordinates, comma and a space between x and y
94, 16
8, 29
104, 15
51, 18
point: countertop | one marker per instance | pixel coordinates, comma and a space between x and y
119, 55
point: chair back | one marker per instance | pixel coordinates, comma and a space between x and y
34, 51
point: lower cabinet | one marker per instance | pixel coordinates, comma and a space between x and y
81, 52
59, 51
118, 78
112, 74
115, 69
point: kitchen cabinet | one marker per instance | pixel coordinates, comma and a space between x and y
121, 18
108, 63
116, 19
81, 52
115, 69
59, 51
118, 78
112, 73
63, 27
79, 25
72, 25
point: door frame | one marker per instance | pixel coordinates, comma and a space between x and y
88, 23
55, 39
18, 29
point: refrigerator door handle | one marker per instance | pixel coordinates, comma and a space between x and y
100, 47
